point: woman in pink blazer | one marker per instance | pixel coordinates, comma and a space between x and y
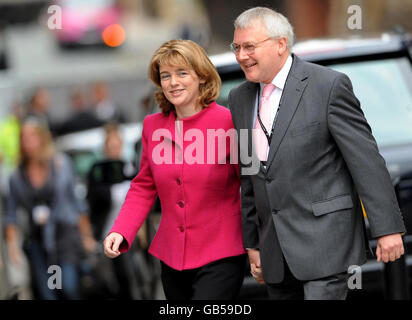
189, 161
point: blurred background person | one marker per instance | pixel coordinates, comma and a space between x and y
99, 189
38, 107
105, 109
113, 144
57, 230
9, 138
113, 151
108, 182
81, 118
9, 157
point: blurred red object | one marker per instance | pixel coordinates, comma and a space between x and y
83, 22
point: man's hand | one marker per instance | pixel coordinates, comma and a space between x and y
389, 248
255, 266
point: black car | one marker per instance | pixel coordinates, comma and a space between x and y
381, 73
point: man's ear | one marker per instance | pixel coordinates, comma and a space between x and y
282, 47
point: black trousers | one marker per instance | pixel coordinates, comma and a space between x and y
334, 287
218, 280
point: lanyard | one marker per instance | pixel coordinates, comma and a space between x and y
269, 137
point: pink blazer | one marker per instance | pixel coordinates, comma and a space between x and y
199, 190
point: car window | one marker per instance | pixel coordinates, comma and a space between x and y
384, 90
227, 85
83, 161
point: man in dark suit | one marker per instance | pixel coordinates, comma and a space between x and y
302, 218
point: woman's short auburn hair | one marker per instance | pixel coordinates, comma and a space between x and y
186, 54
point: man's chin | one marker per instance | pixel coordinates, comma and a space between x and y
251, 78
250, 75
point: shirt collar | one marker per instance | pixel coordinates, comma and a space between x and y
280, 79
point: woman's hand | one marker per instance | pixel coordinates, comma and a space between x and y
111, 245
255, 266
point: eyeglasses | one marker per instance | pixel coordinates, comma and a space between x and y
248, 47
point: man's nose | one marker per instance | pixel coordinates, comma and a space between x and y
242, 55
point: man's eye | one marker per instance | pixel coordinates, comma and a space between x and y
236, 48
249, 47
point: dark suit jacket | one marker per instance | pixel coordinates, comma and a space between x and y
323, 159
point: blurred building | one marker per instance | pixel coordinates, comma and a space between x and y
20, 11
31, 57
312, 18
377, 16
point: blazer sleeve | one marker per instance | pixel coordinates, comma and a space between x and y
139, 200
249, 227
358, 147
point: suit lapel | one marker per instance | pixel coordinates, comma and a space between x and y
248, 100
292, 93
249, 103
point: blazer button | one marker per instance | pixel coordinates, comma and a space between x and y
269, 180
181, 204
178, 181
274, 211
181, 228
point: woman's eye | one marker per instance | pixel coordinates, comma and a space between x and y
182, 73
164, 77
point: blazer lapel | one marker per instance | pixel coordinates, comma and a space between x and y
170, 126
292, 93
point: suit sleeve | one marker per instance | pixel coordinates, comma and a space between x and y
139, 201
358, 147
249, 227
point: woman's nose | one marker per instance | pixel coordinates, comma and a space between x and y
173, 80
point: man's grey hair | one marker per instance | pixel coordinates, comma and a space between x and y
277, 25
